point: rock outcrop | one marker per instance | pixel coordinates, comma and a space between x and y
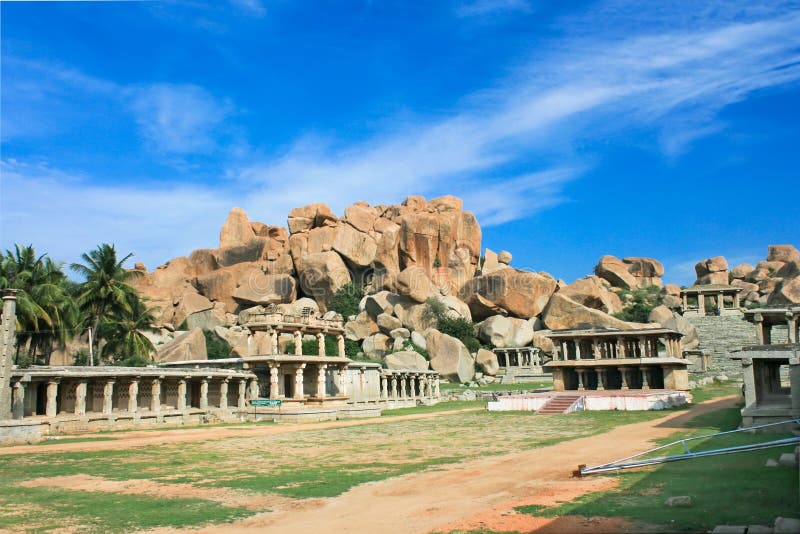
630, 273
564, 313
522, 294
189, 345
449, 357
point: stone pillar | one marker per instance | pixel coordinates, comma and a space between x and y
18, 398
321, 380
624, 373
204, 394
155, 395
242, 400
685, 301
343, 381
51, 408
133, 396
274, 385
403, 386
321, 344
108, 397
645, 385
384, 387
701, 303
340, 346
721, 302
621, 349
736, 302
640, 343
394, 387
436, 385
298, 343
80, 397
181, 404
564, 350
601, 379
758, 321
223, 394
298, 382
8, 344
273, 341
577, 349
792, 321
749, 378
580, 372
596, 350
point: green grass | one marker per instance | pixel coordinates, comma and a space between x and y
729, 489
440, 407
76, 440
496, 386
716, 389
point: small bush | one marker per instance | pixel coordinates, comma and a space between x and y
460, 328
640, 302
346, 299
215, 347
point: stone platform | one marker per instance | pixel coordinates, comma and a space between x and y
654, 399
300, 413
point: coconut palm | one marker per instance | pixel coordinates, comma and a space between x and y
45, 311
126, 342
104, 292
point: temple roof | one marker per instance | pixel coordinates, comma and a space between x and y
611, 332
713, 288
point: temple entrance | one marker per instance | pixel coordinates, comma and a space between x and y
195, 395
288, 386
41, 398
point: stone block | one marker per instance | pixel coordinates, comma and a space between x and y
679, 501
788, 459
729, 529
786, 525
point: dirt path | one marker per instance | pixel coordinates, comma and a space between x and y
477, 493
149, 438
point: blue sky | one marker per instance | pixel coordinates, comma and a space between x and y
660, 129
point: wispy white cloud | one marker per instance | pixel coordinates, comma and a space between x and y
178, 119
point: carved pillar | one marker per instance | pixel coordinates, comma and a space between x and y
758, 322
736, 302
621, 348
298, 382
274, 385
701, 303
155, 395
601, 379
204, 394
273, 338
384, 387
321, 344
436, 384
394, 387
624, 373
108, 397
792, 321
133, 396
252, 387
596, 350
80, 397
18, 400
645, 385
580, 372
685, 301
343, 381
223, 394
181, 403
577, 349
51, 408
321, 379
242, 400
298, 343
403, 386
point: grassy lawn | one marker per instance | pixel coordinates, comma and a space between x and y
730, 489
496, 386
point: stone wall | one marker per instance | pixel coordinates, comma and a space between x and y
722, 335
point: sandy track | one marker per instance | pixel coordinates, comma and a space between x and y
476, 493
149, 438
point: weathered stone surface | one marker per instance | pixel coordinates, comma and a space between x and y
218, 286
522, 293
449, 357
296, 307
741, 271
713, 278
406, 359
786, 525
783, 253
543, 342
412, 314
787, 292
413, 282
747, 286
207, 319
487, 361
660, 314
504, 257
260, 288
189, 345
677, 322
644, 267
362, 217
358, 248
418, 339
563, 313
232, 336
322, 275
790, 269
764, 270
593, 293
613, 270
455, 307
237, 230
400, 333
506, 331
490, 263
361, 327
376, 345
387, 323
189, 302
307, 217
480, 307
711, 265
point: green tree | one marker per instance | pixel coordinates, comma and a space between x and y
126, 343
104, 293
640, 302
46, 313
346, 299
458, 327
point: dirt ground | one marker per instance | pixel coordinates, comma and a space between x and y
474, 494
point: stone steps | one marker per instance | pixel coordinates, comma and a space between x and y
559, 404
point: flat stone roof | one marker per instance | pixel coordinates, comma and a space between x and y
618, 362
281, 358
610, 332
109, 371
713, 288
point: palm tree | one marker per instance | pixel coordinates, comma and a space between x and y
126, 343
45, 311
104, 292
